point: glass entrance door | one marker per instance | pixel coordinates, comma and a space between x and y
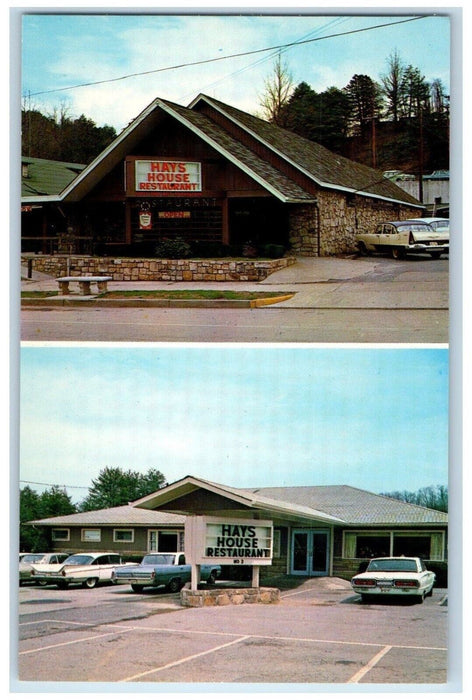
310, 552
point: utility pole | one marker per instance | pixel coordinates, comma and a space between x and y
374, 144
421, 157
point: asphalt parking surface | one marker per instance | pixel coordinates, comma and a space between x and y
319, 633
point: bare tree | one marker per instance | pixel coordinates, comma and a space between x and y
277, 91
391, 85
439, 99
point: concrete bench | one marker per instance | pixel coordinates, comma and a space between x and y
84, 284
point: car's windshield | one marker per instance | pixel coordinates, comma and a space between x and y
76, 559
443, 223
392, 565
414, 227
32, 558
158, 559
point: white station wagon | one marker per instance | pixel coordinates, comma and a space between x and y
395, 576
88, 569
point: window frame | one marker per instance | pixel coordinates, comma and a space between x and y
118, 530
54, 538
84, 538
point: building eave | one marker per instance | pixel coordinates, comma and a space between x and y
320, 183
235, 161
164, 497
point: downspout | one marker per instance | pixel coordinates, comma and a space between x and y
318, 232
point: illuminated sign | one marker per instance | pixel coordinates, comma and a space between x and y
167, 176
174, 215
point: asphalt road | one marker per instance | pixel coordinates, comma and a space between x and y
267, 325
320, 633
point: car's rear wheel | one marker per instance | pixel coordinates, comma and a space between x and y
174, 585
62, 585
211, 580
363, 249
398, 253
136, 587
436, 255
90, 583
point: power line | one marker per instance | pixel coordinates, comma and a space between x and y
41, 483
260, 61
223, 58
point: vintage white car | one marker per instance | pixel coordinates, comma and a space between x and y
437, 223
402, 238
88, 569
395, 576
27, 561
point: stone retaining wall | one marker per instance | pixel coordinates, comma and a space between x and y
330, 228
152, 269
228, 596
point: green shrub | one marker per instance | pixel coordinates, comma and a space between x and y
175, 249
273, 250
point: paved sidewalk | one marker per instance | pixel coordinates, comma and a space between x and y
323, 283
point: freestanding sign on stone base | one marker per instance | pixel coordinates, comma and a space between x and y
234, 541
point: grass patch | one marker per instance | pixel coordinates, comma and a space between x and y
189, 294
38, 295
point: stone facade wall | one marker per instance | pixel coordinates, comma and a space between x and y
149, 269
228, 596
330, 227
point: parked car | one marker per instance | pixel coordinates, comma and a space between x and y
163, 569
397, 175
437, 223
87, 569
395, 576
28, 560
401, 238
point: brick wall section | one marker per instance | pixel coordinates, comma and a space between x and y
338, 219
228, 596
152, 269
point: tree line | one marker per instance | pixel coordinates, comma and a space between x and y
116, 487
59, 136
387, 123
398, 116
435, 497
113, 487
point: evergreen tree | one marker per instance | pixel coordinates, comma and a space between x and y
34, 506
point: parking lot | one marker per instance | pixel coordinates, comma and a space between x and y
319, 633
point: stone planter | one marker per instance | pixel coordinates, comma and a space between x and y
227, 596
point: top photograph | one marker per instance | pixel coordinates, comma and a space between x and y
222, 178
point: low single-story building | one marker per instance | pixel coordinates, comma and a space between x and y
125, 530
42, 224
316, 530
218, 178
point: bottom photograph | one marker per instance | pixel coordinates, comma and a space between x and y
254, 517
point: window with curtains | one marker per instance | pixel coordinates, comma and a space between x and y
366, 545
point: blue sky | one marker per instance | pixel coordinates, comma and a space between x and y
374, 418
63, 50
